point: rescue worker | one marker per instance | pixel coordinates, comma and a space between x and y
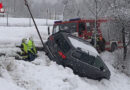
101, 43
98, 44
31, 49
24, 50
92, 38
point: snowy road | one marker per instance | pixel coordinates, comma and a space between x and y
43, 74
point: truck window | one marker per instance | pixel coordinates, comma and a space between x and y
81, 28
64, 27
92, 25
88, 27
73, 27
55, 29
70, 27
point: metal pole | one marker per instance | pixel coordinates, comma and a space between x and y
14, 5
55, 15
47, 18
63, 12
7, 13
26, 3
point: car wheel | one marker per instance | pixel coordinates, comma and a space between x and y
113, 47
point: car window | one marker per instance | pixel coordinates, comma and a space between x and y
84, 57
91, 60
98, 62
62, 43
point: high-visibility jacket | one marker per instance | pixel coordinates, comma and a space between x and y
24, 48
31, 47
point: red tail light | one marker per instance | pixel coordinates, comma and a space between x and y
51, 38
62, 55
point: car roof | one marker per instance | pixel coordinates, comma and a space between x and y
83, 44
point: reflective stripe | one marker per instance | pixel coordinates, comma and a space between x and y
107, 46
120, 44
120, 47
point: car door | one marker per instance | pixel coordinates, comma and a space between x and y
62, 47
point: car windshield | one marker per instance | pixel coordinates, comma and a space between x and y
62, 43
91, 60
83, 46
71, 27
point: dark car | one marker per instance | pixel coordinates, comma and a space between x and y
77, 54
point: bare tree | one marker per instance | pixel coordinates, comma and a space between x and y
119, 8
69, 9
97, 9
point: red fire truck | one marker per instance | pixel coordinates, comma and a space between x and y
85, 29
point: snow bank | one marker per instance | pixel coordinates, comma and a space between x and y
25, 22
43, 74
11, 36
5, 85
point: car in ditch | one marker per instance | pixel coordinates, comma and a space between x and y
76, 53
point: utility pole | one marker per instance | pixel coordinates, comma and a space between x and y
7, 12
55, 14
26, 3
14, 5
63, 12
47, 17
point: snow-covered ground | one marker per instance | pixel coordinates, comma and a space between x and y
43, 74
24, 22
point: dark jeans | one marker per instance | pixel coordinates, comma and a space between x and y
31, 56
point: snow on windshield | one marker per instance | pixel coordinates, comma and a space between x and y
84, 47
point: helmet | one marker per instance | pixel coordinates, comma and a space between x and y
24, 40
31, 38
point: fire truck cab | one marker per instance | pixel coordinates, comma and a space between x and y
85, 29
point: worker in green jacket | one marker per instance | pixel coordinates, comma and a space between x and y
31, 49
24, 50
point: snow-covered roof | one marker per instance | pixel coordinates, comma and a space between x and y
84, 47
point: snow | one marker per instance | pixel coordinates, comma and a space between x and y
25, 22
43, 74
5, 85
84, 47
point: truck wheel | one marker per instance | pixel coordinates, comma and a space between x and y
113, 47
